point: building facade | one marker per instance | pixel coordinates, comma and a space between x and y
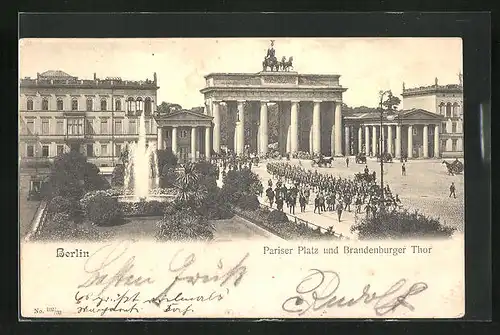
98, 117
310, 109
446, 101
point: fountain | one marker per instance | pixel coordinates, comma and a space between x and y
142, 170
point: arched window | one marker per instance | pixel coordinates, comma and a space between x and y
29, 104
104, 105
441, 108
60, 105
147, 106
130, 105
74, 105
455, 110
90, 104
45, 104
139, 105
448, 110
118, 105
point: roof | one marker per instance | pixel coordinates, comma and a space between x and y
55, 74
414, 113
184, 118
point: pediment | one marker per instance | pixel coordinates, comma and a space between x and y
420, 114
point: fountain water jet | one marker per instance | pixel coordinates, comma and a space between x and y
142, 165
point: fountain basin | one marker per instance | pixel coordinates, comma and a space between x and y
152, 197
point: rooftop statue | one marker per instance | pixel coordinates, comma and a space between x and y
271, 63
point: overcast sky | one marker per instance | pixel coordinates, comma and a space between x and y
366, 65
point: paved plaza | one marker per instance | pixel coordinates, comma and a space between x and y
424, 188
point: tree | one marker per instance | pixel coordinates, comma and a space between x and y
392, 102
71, 176
168, 107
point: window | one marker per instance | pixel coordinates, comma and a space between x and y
448, 109
74, 105
90, 104
45, 104
441, 108
30, 151
104, 105
147, 106
443, 128
45, 151
60, 127
31, 126
104, 149
45, 127
453, 145
118, 149
104, 126
147, 124
132, 128
60, 105
118, 105
60, 149
75, 126
139, 105
456, 108
453, 127
90, 150
184, 133
130, 105
89, 128
118, 127
29, 105
415, 132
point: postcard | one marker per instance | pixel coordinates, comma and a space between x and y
261, 178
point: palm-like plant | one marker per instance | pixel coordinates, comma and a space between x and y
190, 191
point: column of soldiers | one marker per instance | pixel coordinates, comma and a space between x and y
331, 193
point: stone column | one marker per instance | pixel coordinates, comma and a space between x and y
288, 139
426, 141
410, 141
159, 138
294, 125
382, 135
360, 139
216, 120
208, 148
436, 141
398, 141
389, 139
367, 140
338, 128
374, 140
347, 141
263, 135
311, 149
240, 142
174, 140
316, 127
193, 144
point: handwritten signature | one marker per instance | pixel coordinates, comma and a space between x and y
317, 291
182, 261
99, 261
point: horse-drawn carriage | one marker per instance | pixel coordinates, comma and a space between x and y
322, 161
455, 167
386, 157
361, 158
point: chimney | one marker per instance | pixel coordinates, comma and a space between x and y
95, 76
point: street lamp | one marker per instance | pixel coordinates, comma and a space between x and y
382, 94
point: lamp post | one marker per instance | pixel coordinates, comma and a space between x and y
382, 94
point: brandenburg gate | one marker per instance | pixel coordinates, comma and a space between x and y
309, 105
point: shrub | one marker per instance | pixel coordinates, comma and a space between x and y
65, 205
118, 177
181, 223
276, 216
214, 206
239, 183
249, 202
102, 209
400, 225
143, 208
60, 227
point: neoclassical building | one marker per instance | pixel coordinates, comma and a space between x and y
98, 117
